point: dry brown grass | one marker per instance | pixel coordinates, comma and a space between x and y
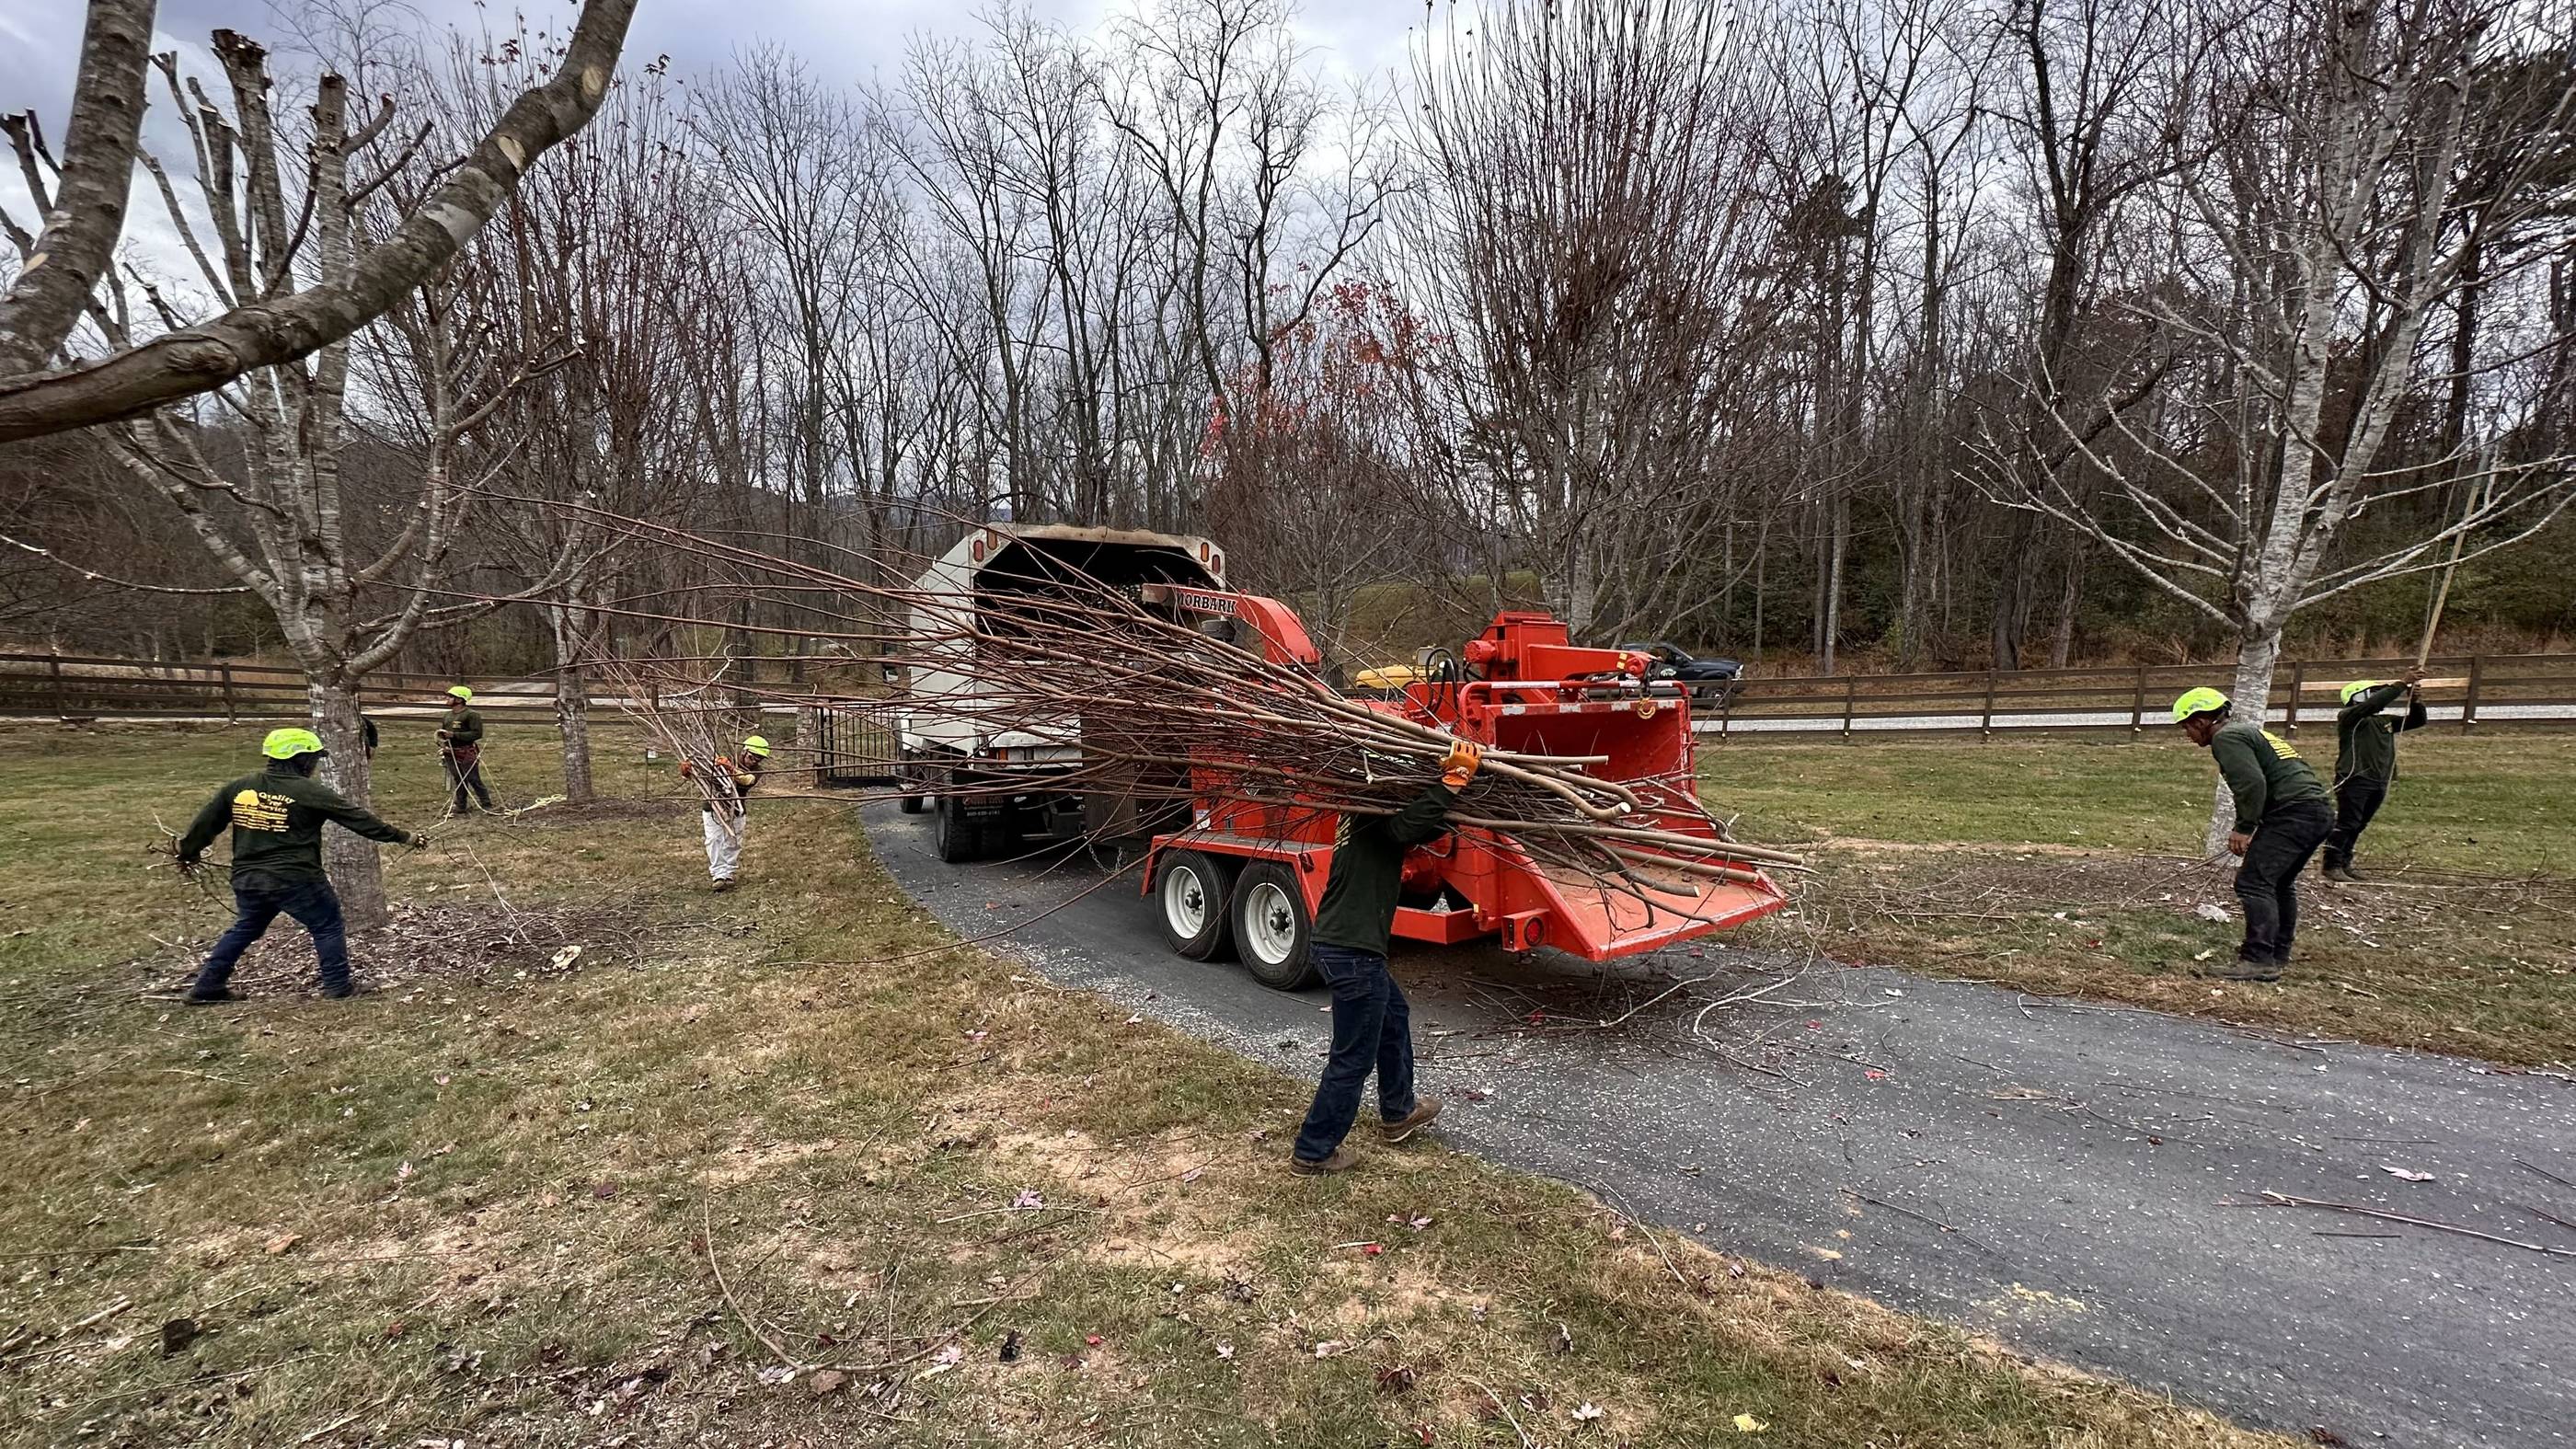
495, 1209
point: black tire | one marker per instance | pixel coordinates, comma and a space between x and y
1193, 892
1271, 928
955, 835
907, 778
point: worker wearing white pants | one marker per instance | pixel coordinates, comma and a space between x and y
727, 821
724, 842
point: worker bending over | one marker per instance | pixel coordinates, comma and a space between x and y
276, 818
723, 814
460, 749
2281, 819
1372, 1022
2366, 759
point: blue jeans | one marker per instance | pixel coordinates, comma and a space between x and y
312, 906
1372, 1031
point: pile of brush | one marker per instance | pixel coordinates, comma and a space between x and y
1162, 712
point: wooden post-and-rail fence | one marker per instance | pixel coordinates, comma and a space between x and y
2465, 691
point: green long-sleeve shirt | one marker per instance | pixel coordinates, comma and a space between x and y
2261, 771
2366, 739
276, 818
1358, 910
464, 727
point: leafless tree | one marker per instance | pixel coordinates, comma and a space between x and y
278, 320
2313, 250
1591, 227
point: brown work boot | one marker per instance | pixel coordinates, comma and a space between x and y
720, 887
1425, 1107
1342, 1160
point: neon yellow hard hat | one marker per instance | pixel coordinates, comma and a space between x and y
459, 693
287, 743
2353, 690
2197, 701
756, 745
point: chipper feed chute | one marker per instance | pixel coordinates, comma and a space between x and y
1641, 740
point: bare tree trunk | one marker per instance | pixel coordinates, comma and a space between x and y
1831, 624
356, 870
87, 210
2061, 642
572, 702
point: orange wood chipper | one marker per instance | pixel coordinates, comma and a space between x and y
1246, 877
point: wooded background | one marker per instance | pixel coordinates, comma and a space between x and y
1888, 333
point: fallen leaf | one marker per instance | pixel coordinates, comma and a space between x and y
1586, 1414
777, 1374
1193, 1174
932, 1372
826, 1383
1329, 1347
282, 1242
1747, 1424
1225, 1350
1092, 1339
1011, 1346
2405, 1174
565, 957
1028, 1199
1136, 1020
403, 1173
949, 1355
1372, 1249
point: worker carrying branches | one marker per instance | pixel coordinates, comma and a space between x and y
1372, 1022
2366, 759
276, 818
722, 812
2281, 819
460, 750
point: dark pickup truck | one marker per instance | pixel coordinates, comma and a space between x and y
1708, 679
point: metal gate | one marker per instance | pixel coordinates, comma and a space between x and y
852, 746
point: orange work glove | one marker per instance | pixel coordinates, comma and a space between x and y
1461, 764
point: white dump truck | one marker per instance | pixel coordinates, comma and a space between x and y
940, 737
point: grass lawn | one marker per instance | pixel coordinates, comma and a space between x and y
782, 1167
2068, 866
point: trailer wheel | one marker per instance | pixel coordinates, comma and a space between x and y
1271, 928
956, 836
1193, 890
907, 778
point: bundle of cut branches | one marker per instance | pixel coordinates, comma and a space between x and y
1095, 687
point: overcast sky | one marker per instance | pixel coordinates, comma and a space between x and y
842, 39
39, 39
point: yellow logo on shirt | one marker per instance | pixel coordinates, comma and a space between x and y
253, 810
2280, 747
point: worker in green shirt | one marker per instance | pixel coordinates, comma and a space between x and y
2281, 819
2366, 759
276, 817
460, 750
1372, 1022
